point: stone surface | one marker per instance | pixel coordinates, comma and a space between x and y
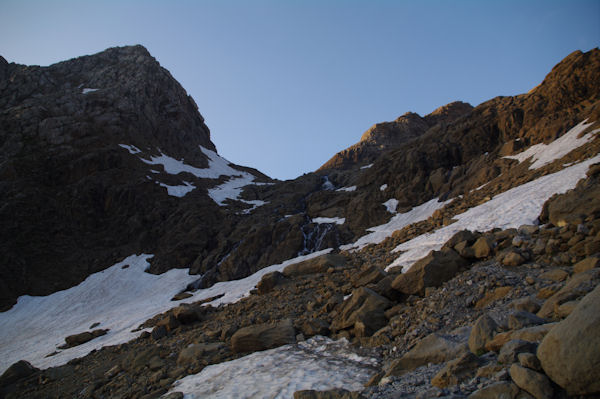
570, 352
364, 306
456, 371
431, 271
483, 247
577, 286
269, 281
498, 390
535, 383
263, 336
195, 352
513, 258
482, 332
435, 348
315, 265
530, 361
521, 319
528, 304
510, 350
588, 263
82, 338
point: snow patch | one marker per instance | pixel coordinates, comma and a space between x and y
322, 220
383, 187
543, 154
401, 220
349, 189
391, 205
119, 299
131, 148
255, 204
178, 191
366, 166
88, 90
318, 363
511, 209
231, 189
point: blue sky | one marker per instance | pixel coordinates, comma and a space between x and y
283, 85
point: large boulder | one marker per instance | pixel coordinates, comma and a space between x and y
365, 307
15, 372
570, 352
431, 271
319, 264
531, 381
434, 348
577, 286
263, 336
482, 332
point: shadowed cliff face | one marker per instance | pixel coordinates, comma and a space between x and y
77, 192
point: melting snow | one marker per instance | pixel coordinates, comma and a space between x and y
87, 90
322, 220
349, 189
119, 299
318, 363
131, 148
391, 205
513, 208
383, 187
366, 166
543, 154
178, 191
231, 189
380, 233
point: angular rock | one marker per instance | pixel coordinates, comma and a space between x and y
510, 350
483, 247
554, 275
195, 352
159, 332
456, 371
588, 263
535, 383
577, 286
434, 348
82, 338
263, 336
521, 319
319, 264
528, 304
570, 352
531, 334
465, 236
371, 275
365, 306
492, 296
530, 361
513, 258
269, 281
431, 271
482, 332
498, 390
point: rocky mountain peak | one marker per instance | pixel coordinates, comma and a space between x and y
448, 113
403, 128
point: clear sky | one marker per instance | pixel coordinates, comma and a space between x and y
284, 85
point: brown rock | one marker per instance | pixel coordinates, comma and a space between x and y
554, 275
185, 314
588, 263
577, 286
482, 332
528, 304
365, 306
483, 247
431, 271
263, 336
498, 390
510, 350
435, 348
492, 296
531, 381
196, 352
269, 281
371, 275
563, 310
521, 319
531, 334
513, 258
319, 264
456, 371
530, 361
82, 338
570, 352
315, 327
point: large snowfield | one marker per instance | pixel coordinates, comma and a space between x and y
123, 296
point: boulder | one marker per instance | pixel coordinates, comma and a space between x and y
498, 390
577, 286
17, 371
521, 319
570, 352
456, 371
263, 336
465, 236
513, 258
554, 275
482, 332
588, 263
483, 247
510, 350
431, 271
196, 352
364, 306
528, 304
531, 334
82, 338
371, 275
319, 264
186, 314
434, 348
269, 281
535, 383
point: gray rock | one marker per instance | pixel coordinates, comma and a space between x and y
522, 319
195, 352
